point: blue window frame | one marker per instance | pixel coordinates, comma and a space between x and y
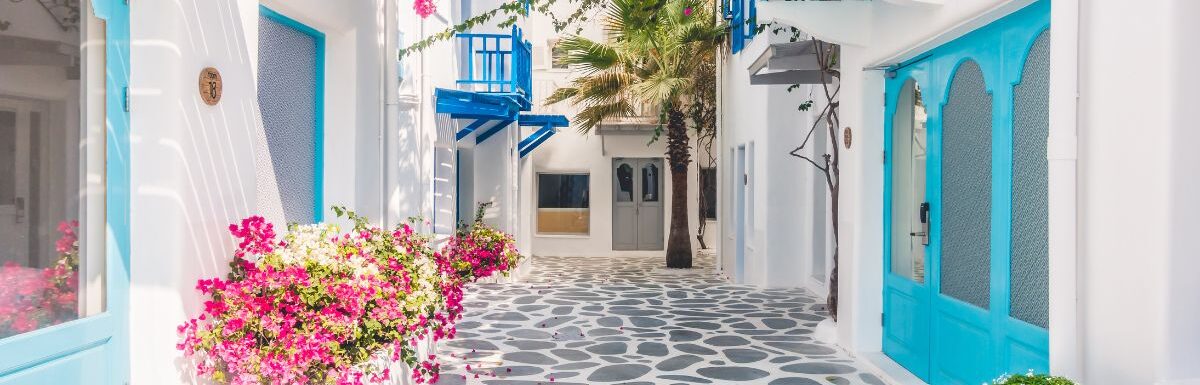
92, 350
743, 22
291, 77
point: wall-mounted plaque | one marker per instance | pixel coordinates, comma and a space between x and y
210, 86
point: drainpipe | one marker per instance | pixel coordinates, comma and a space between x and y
421, 124
1066, 344
384, 81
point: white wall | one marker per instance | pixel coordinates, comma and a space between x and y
790, 196
197, 168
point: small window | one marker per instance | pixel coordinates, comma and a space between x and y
563, 204
558, 55
650, 183
708, 186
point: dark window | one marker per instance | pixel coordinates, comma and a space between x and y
708, 186
558, 55
560, 191
650, 183
563, 206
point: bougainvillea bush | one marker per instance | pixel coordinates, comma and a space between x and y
32, 298
479, 251
319, 306
1031, 379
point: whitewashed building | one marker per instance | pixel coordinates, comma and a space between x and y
1013, 197
122, 125
601, 193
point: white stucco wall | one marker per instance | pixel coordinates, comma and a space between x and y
196, 168
789, 237
573, 152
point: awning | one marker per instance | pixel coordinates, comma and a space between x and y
790, 63
630, 125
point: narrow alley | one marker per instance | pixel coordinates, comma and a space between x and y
627, 320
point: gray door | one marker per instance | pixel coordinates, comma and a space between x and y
15, 157
637, 204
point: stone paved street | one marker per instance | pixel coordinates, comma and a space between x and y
625, 320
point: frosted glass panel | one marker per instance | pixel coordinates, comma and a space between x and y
287, 95
1030, 244
966, 188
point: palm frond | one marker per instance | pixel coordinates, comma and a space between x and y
588, 55
561, 94
592, 116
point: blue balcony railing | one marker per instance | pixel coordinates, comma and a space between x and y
499, 64
743, 22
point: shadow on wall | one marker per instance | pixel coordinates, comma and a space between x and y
195, 167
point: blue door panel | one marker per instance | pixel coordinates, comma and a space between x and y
95, 349
1025, 347
961, 346
906, 332
949, 341
82, 367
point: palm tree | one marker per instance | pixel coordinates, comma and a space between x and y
655, 48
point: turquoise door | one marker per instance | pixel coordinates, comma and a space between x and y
64, 193
966, 279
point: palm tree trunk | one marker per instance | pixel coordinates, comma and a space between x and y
679, 245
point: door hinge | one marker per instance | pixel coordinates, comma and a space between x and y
882, 319
885, 157
126, 97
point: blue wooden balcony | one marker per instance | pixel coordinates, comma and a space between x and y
499, 64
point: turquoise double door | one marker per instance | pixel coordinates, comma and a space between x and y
966, 218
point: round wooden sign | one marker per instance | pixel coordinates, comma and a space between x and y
210, 86
847, 136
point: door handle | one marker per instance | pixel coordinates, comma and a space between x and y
924, 233
19, 216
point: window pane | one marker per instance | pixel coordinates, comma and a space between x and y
910, 216
51, 149
557, 56
563, 206
650, 183
708, 185
625, 183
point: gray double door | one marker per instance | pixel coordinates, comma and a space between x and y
637, 204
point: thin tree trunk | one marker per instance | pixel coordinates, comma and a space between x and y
679, 246
703, 142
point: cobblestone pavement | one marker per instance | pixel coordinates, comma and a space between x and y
626, 320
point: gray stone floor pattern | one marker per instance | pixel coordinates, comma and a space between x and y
626, 320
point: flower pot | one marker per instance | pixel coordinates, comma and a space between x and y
401, 373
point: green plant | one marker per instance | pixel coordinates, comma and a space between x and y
1031, 379
509, 13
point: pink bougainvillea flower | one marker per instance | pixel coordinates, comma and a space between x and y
687, 11
424, 7
290, 303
